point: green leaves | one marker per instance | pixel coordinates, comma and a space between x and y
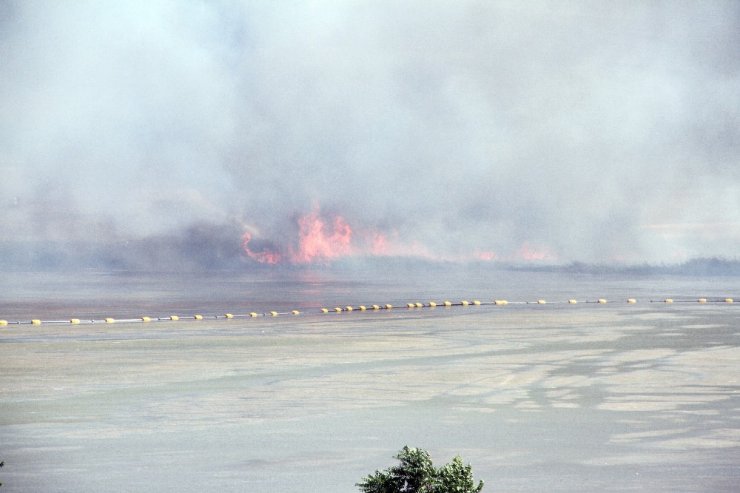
457, 477
417, 474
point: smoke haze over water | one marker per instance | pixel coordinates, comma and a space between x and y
158, 133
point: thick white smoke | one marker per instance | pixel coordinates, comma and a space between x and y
568, 131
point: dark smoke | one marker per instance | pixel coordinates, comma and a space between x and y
153, 134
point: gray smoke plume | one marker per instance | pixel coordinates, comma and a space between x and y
157, 133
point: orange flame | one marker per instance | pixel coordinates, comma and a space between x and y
528, 252
379, 244
316, 241
486, 256
324, 237
266, 256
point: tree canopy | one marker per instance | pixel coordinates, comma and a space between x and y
417, 474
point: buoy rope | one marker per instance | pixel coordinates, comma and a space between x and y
347, 308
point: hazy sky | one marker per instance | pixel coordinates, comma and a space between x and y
559, 131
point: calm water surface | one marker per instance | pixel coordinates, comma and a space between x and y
588, 397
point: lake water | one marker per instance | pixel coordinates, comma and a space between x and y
555, 397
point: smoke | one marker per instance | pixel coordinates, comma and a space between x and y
160, 133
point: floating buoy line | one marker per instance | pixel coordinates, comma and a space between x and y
349, 308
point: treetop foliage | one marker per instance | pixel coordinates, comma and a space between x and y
417, 474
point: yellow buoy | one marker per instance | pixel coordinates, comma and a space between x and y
388, 306
198, 317
324, 310
295, 312
349, 308
668, 300
419, 305
229, 315
274, 314
448, 303
146, 319
174, 318
35, 321
476, 302
432, 304
337, 309
631, 301
572, 301
410, 305
500, 302
464, 302
376, 307
3, 323
254, 314
110, 320
74, 321
701, 300
541, 302
602, 301
729, 300
363, 308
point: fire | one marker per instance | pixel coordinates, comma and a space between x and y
266, 256
486, 256
530, 253
317, 241
322, 237
379, 244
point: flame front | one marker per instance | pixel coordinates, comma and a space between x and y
321, 238
531, 253
316, 241
266, 256
486, 256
